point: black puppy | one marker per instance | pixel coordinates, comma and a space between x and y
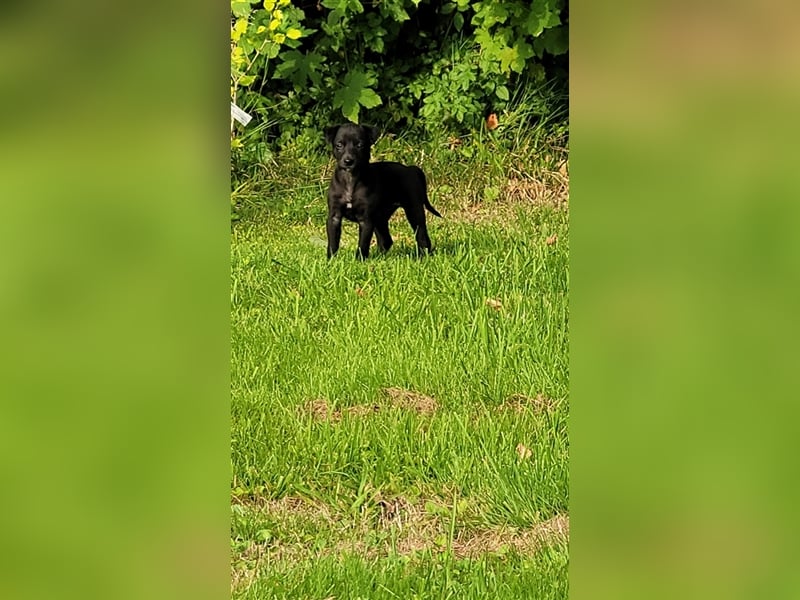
369, 193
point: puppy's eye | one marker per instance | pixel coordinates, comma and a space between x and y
359, 145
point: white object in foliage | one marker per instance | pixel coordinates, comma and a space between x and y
238, 114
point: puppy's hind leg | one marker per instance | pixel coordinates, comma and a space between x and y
383, 236
416, 218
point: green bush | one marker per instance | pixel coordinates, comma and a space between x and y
419, 64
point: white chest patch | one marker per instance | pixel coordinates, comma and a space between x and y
347, 195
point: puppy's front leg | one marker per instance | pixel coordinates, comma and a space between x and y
365, 230
334, 229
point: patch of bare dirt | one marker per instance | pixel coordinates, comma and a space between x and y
360, 410
550, 532
320, 410
520, 403
419, 531
412, 527
415, 526
409, 400
286, 506
416, 530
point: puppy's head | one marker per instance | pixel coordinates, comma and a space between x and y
351, 144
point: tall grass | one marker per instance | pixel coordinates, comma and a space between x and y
437, 382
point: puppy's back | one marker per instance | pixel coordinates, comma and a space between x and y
410, 180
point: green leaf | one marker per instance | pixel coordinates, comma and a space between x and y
263, 535
393, 10
240, 9
556, 40
447, 8
534, 24
524, 52
502, 92
355, 93
335, 16
346, 99
240, 26
299, 68
538, 73
487, 41
350, 112
247, 80
507, 56
458, 21
369, 99
272, 50
490, 13
542, 16
434, 509
247, 46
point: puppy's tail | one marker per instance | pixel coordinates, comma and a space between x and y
430, 208
426, 202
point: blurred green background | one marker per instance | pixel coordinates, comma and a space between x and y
684, 265
114, 291
114, 274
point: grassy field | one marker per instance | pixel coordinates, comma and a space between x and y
400, 425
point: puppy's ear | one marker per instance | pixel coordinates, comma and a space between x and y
374, 134
330, 133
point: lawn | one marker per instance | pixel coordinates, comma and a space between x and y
399, 425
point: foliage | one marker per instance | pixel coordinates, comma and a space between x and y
438, 66
257, 36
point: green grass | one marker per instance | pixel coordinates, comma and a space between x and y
389, 413
434, 576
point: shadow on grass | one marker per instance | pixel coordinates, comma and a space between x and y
448, 248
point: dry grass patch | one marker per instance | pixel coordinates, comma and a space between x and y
551, 190
408, 400
527, 541
547, 189
520, 403
290, 519
282, 507
414, 526
395, 525
321, 410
